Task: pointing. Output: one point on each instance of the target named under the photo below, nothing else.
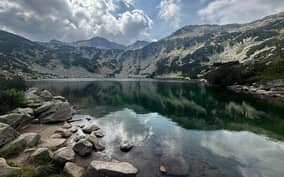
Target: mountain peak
(99, 42)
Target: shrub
(10, 99)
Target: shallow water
(191, 129)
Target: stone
(56, 136)
(63, 155)
(57, 111)
(111, 169)
(175, 166)
(95, 142)
(32, 139)
(125, 146)
(89, 129)
(78, 137)
(73, 170)
(63, 132)
(61, 98)
(6, 170)
(99, 134)
(163, 169)
(7, 134)
(83, 147)
(66, 125)
(14, 147)
(46, 106)
(41, 155)
(18, 118)
(55, 143)
(73, 129)
(45, 95)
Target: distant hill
(99, 42)
(137, 45)
(246, 53)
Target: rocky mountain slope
(254, 51)
(137, 45)
(98, 42)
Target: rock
(89, 129)
(163, 169)
(55, 143)
(18, 118)
(57, 111)
(96, 145)
(111, 169)
(81, 126)
(125, 146)
(175, 166)
(6, 170)
(99, 134)
(45, 95)
(63, 155)
(66, 125)
(73, 129)
(73, 170)
(56, 136)
(14, 147)
(79, 137)
(60, 98)
(63, 132)
(32, 99)
(83, 147)
(46, 106)
(41, 155)
(32, 139)
(7, 134)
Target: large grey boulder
(32, 139)
(14, 147)
(63, 155)
(7, 134)
(90, 128)
(6, 170)
(73, 170)
(18, 118)
(57, 111)
(111, 169)
(83, 147)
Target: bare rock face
(6, 170)
(7, 134)
(73, 170)
(111, 169)
(63, 155)
(83, 147)
(18, 117)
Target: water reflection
(192, 106)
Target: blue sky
(123, 21)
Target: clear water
(191, 129)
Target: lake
(191, 129)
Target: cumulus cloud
(170, 11)
(239, 11)
(71, 20)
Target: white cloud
(170, 11)
(239, 11)
(71, 20)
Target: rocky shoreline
(59, 139)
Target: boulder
(45, 107)
(58, 112)
(14, 147)
(41, 155)
(6, 170)
(83, 147)
(73, 170)
(90, 128)
(55, 143)
(18, 118)
(111, 169)
(63, 155)
(78, 137)
(95, 142)
(45, 95)
(73, 129)
(7, 134)
(99, 134)
(32, 139)
(125, 146)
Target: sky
(123, 21)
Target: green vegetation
(11, 94)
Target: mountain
(137, 45)
(223, 54)
(99, 42)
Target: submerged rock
(111, 169)
(6, 170)
(125, 146)
(63, 155)
(73, 170)
(7, 134)
(83, 147)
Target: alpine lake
(186, 127)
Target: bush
(10, 99)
